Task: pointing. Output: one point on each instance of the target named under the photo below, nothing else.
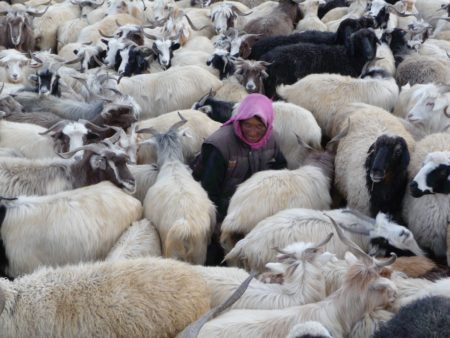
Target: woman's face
(253, 129)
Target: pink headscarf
(254, 105)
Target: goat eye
(430, 104)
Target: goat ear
(440, 103)
(98, 162)
(185, 133)
(276, 267)
(104, 41)
(175, 45)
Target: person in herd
(244, 145)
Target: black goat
(293, 62)
(386, 174)
(216, 110)
(398, 44)
(134, 60)
(324, 9)
(47, 83)
(223, 62)
(426, 317)
(346, 28)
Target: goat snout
(377, 175)
(250, 86)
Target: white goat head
(434, 176)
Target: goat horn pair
(95, 148)
(35, 13)
(179, 123)
(192, 330)
(239, 12)
(93, 126)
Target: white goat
(67, 227)
(310, 20)
(16, 66)
(177, 204)
(176, 88)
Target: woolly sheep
(151, 297)
(310, 20)
(367, 124)
(270, 191)
(422, 69)
(324, 94)
(428, 216)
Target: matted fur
(144, 297)
(67, 227)
(267, 192)
(175, 88)
(325, 94)
(141, 239)
(428, 217)
(367, 123)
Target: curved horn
(3, 86)
(360, 230)
(303, 144)
(56, 127)
(74, 2)
(77, 59)
(115, 91)
(94, 147)
(117, 23)
(446, 112)
(387, 262)
(143, 3)
(192, 24)
(202, 100)
(325, 241)
(104, 35)
(93, 126)
(360, 215)
(179, 123)
(150, 130)
(349, 242)
(38, 14)
(238, 11)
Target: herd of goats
(105, 103)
